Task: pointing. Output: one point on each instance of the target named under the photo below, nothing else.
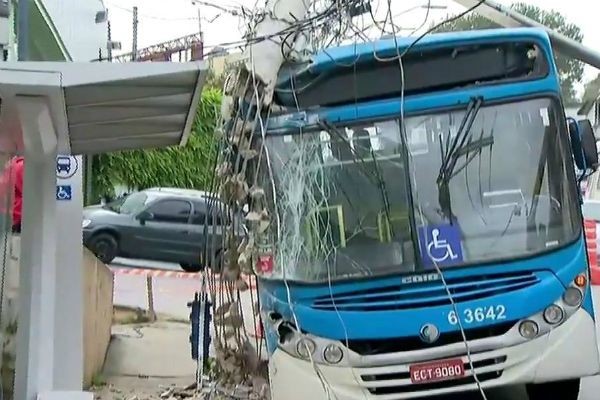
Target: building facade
(4, 29)
(59, 30)
(220, 62)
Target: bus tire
(563, 390)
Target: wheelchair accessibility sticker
(440, 244)
(63, 192)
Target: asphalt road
(172, 294)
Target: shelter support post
(68, 324)
(39, 370)
(35, 332)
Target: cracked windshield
(476, 195)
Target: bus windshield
(369, 200)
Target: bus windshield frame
(349, 208)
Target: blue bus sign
(66, 166)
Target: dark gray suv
(160, 224)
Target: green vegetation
(190, 166)
(570, 70)
(98, 381)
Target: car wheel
(105, 247)
(188, 267)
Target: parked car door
(206, 231)
(165, 234)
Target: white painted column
(35, 334)
(68, 339)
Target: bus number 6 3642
(478, 314)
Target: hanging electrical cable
(285, 32)
(398, 58)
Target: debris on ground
(137, 388)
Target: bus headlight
(333, 354)
(573, 297)
(553, 314)
(305, 348)
(85, 223)
(529, 329)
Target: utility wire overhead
(222, 10)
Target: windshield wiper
(461, 145)
(455, 150)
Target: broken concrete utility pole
(247, 97)
(264, 56)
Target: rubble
(211, 391)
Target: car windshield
(132, 204)
(346, 203)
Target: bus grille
(390, 382)
(431, 294)
(370, 347)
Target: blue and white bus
(427, 233)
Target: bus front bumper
(568, 351)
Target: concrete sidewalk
(160, 350)
(144, 361)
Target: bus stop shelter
(55, 109)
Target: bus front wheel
(563, 390)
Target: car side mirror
(144, 216)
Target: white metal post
(68, 328)
(35, 334)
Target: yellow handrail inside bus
(384, 223)
(312, 226)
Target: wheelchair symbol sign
(63, 192)
(440, 244)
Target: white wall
(75, 22)
(572, 112)
(4, 23)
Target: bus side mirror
(588, 144)
(583, 144)
(576, 148)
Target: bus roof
(364, 52)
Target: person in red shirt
(11, 184)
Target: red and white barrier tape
(591, 239)
(161, 273)
(158, 273)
